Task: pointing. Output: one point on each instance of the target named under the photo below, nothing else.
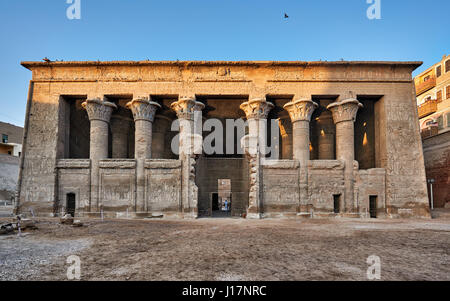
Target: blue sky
(212, 30)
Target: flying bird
(286, 16)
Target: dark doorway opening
(215, 202)
(337, 201)
(373, 206)
(71, 204)
(220, 207)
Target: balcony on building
(428, 83)
(427, 108)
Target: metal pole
(431, 192)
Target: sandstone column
(300, 111)
(99, 113)
(190, 146)
(120, 127)
(256, 111)
(143, 113)
(286, 137)
(344, 115)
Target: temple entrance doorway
(221, 205)
(71, 204)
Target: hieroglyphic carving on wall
(325, 179)
(117, 188)
(73, 163)
(36, 192)
(281, 185)
(117, 163)
(163, 189)
(219, 73)
(74, 180)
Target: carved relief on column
(344, 110)
(256, 108)
(300, 109)
(189, 148)
(300, 112)
(99, 112)
(98, 109)
(254, 183)
(344, 114)
(143, 108)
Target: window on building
(426, 78)
(439, 96)
(4, 138)
(447, 94)
(438, 71)
(428, 98)
(440, 122)
(448, 119)
(447, 66)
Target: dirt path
(231, 249)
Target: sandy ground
(230, 249)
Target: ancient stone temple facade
(128, 139)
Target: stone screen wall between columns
(325, 179)
(281, 187)
(163, 186)
(74, 177)
(371, 182)
(117, 185)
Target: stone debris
(6, 228)
(77, 223)
(66, 219)
(27, 224)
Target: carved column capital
(143, 108)
(300, 109)
(344, 110)
(186, 106)
(256, 108)
(98, 109)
